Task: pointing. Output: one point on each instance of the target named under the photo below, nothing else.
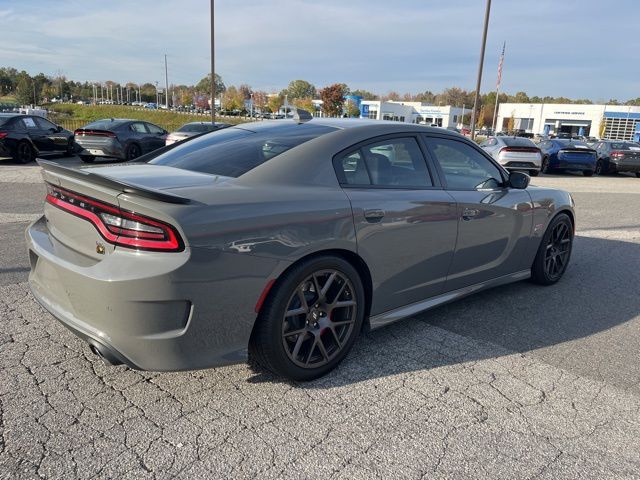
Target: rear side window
(232, 152)
(138, 128)
(195, 127)
(29, 123)
(391, 163)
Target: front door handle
(373, 215)
(469, 213)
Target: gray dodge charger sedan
(283, 240)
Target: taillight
(520, 149)
(94, 133)
(3, 134)
(117, 226)
(617, 153)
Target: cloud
(553, 48)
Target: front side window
(391, 163)
(154, 129)
(463, 166)
(45, 124)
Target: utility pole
(495, 110)
(213, 65)
(166, 83)
(484, 43)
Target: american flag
(500, 66)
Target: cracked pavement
(519, 382)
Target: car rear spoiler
(106, 181)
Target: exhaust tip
(104, 353)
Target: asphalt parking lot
(517, 382)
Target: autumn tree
(275, 102)
(232, 99)
(333, 99)
(244, 91)
(393, 96)
(260, 100)
(481, 117)
(305, 104)
(511, 123)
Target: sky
(577, 49)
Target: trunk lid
(141, 190)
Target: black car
(25, 137)
(118, 138)
(617, 156)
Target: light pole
(166, 83)
(213, 65)
(484, 43)
(251, 95)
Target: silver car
(514, 153)
(193, 128)
(283, 240)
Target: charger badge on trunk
(100, 248)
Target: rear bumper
(100, 149)
(624, 166)
(5, 152)
(151, 311)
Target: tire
(554, 251)
(87, 158)
(132, 152)
(534, 173)
(308, 344)
(545, 166)
(24, 153)
(587, 173)
(600, 168)
(69, 152)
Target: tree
(260, 100)
(300, 89)
(305, 104)
(333, 99)
(392, 96)
(351, 109)
(232, 99)
(24, 89)
(366, 95)
(275, 102)
(425, 97)
(204, 85)
(481, 117)
(511, 123)
(521, 97)
(245, 91)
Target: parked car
(284, 238)
(118, 138)
(617, 156)
(25, 137)
(560, 154)
(193, 128)
(515, 153)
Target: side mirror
(59, 128)
(519, 180)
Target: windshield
(572, 143)
(625, 146)
(232, 152)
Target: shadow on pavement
(597, 294)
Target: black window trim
(503, 172)
(338, 157)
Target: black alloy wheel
(24, 153)
(319, 318)
(133, 151)
(600, 168)
(554, 252)
(310, 319)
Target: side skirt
(391, 316)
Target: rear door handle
(373, 215)
(469, 213)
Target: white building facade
(411, 112)
(615, 122)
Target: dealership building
(411, 112)
(620, 122)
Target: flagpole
(495, 110)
